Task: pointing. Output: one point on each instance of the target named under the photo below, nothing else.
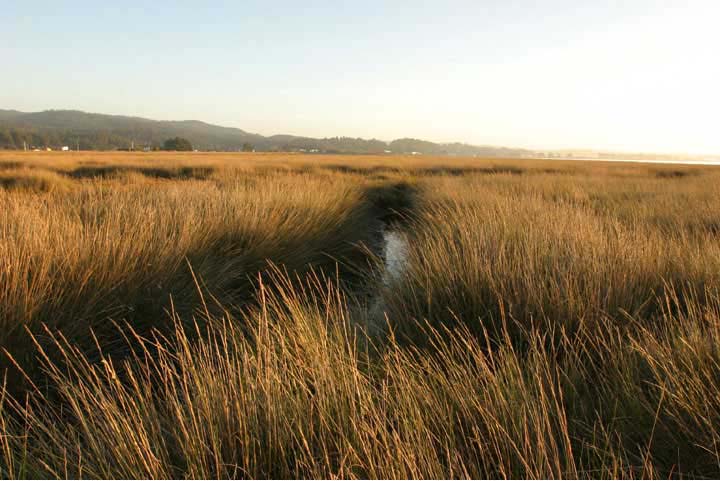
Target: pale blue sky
(625, 75)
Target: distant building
(49, 149)
(65, 148)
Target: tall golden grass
(206, 316)
(555, 247)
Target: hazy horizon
(635, 76)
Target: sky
(634, 75)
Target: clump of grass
(652, 388)
(32, 180)
(108, 249)
(480, 251)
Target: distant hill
(108, 132)
(56, 128)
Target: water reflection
(394, 254)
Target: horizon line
(497, 146)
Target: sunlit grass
(206, 316)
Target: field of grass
(229, 315)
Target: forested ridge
(88, 131)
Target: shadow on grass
(224, 273)
(11, 165)
(676, 174)
(110, 171)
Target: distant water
(640, 161)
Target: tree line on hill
(57, 128)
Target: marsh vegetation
(210, 315)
